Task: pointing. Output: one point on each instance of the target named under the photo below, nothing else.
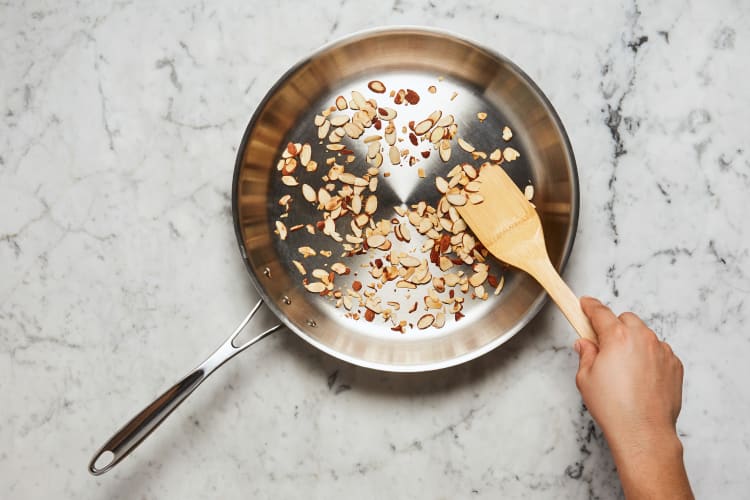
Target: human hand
(632, 386)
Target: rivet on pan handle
(145, 422)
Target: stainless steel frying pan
(412, 58)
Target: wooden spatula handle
(547, 276)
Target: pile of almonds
(449, 259)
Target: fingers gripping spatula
(509, 227)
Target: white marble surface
(119, 124)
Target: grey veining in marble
(119, 123)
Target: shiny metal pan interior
(415, 59)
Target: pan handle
(144, 423)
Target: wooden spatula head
(508, 226)
(505, 222)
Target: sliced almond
(507, 133)
(439, 320)
(472, 187)
(315, 287)
(338, 120)
(319, 119)
(376, 86)
(288, 180)
(334, 147)
(387, 114)
(528, 192)
(306, 251)
(281, 228)
(375, 240)
(445, 150)
(339, 268)
(500, 285)
(465, 145)
(478, 278)
(496, 155)
(341, 103)
(476, 198)
(371, 205)
(510, 154)
(445, 121)
(394, 155)
(409, 261)
(441, 184)
(456, 199)
(425, 321)
(353, 130)
(469, 170)
(323, 129)
(481, 116)
(437, 134)
(309, 193)
(422, 127)
(359, 100)
(300, 267)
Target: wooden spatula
(509, 227)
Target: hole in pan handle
(144, 423)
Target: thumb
(587, 351)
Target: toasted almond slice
(320, 274)
(376, 86)
(356, 204)
(476, 198)
(425, 321)
(481, 116)
(465, 145)
(422, 127)
(437, 134)
(409, 261)
(339, 268)
(405, 232)
(289, 180)
(377, 162)
(319, 119)
(375, 240)
(334, 147)
(507, 133)
(387, 114)
(445, 150)
(311, 166)
(285, 199)
(496, 155)
(373, 185)
(281, 228)
(299, 267)
(305, 154)
(441, 184)
(445, 121)
(315, 287)
(358, 99)
(500, 285)
(510, 154)
(478, 278)
(456, 199)
(309, 193)
(394, 155)
(323, 129)
(306, 251)
(372, 149)
(341, 103)
(472, 186)
(371, 205)
(528, 192)
(353, 130)
(469, 170)
(405, 284)
(347, 178)
(338, 120)
(439, 320)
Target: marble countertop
(119, 123)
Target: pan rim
(535, 307)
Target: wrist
(652, 467)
